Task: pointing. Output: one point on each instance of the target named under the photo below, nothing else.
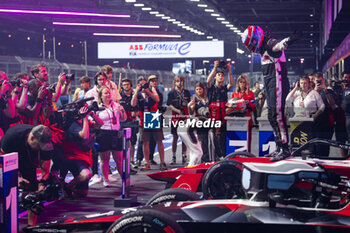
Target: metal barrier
(15, 64)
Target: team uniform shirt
(146, 104)
(304, 107)
(107, 116)
(74, 147)
(179, 100)
(126, 103)
(217, 102)
(251, 100)
(43, 117)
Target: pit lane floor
(101, 199)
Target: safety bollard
(125, 200)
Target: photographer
(40, 73)
(147, 101)
(19, 98)
(33, 145)
(346, 100)
(324, 126)
(200, 106)
(131, 112)
(337, 89)
(178, 99)
(217, 95)
(7, 106)
(77, 150)
(39, 105)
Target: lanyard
(302, 96)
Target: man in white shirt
(108, 70)
(100, 80)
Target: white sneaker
(96, 179)
(106, 183)
(112, 179)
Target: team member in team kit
(217, 95)
(274, 69)
(178, 100)
(146, 99)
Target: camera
(144, 86)
(70, 76)
(50, 88)
(33, 201)
(16, 82)
(222, 66)
(318, 82)
(71, 112)
(204, 112)
(3, 102)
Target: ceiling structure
(189, 19)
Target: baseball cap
(44, 135)
(139, 79)
(151, 77)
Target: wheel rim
(226, 184)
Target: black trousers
(277, 88)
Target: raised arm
(212, 73)
(230, 85)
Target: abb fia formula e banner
(179, 49)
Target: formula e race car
(222, 180)
(179, 210)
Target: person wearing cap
(33, 145)
(146, 98)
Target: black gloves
(294, 37)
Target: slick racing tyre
(175, 194)
(223, 181)
(240, 154)
(150, 221)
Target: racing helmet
(252, 38)
(236, 107)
